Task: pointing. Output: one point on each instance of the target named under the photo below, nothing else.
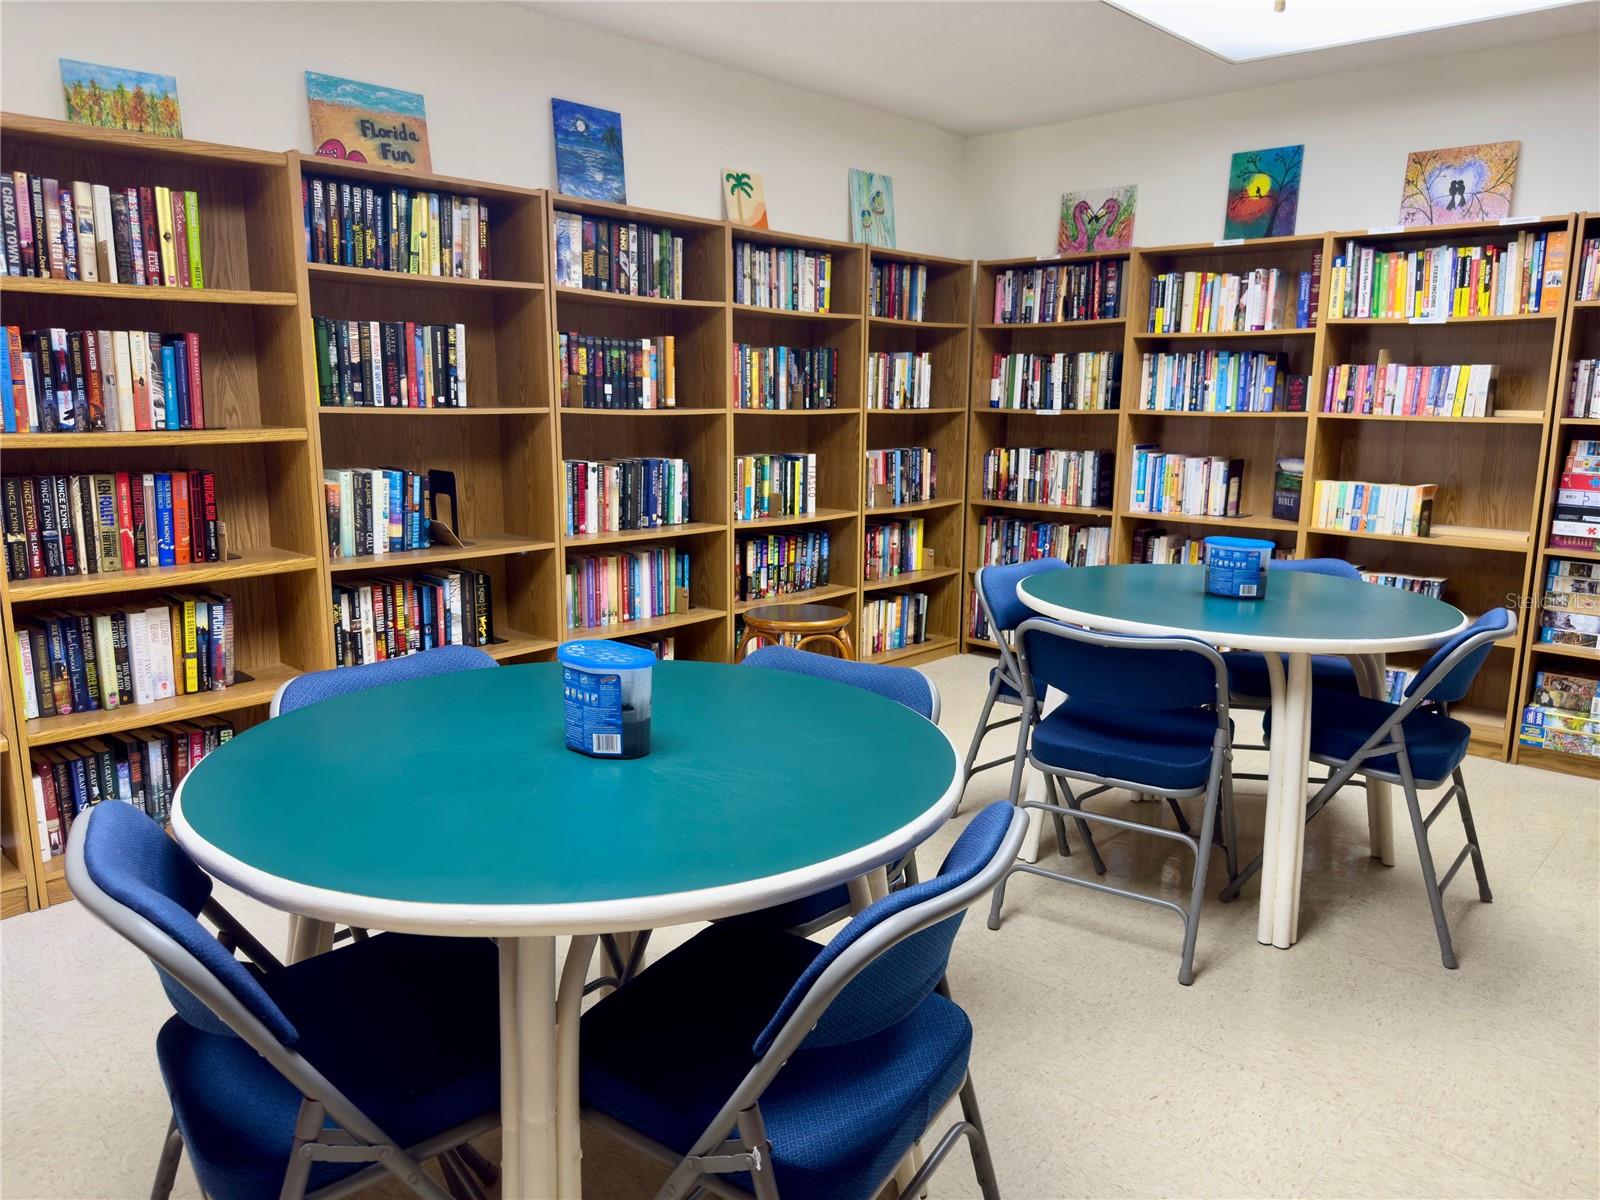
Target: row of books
(1569, 606)
(1220, 381)
(613, 495)
(632, 258)
(774, 485)
(780, 378)
(145, 236)
(390, 228)
(382, 510)
(112, 521)
(898, 290)
(1004, 540)
(1194, 485)
(901, 475)
(1423, 585)
(896, 548)
(893, 621)
(1062, 292)
(1043, 475)
(1440, 282)
(779, 564)
(790, 278)
(1588, 270)
(1583, 392)
(389, 617)
(899, 380)
(142, 767)
(1089, 379)
(1564, 715)
(390, 364)
(629, 585)
(1222, 302)
(93, 380)
(610, 372)
(1153, 544)
(1395, 509)
(1408, 390)
(90, 660)
(1575, 517)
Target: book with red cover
(182, 544)
(197, 408)
(151, 235)
(125, 548)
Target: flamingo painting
(1097, 220)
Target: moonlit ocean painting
(588, 152)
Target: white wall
(487, 72)
(1357, 129)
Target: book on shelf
(390, 617)
(1575, 511)
(387, 227)
(1423, 585)
(663, 645)
(1288, 483)
(1356, 506)
(382, 510)
(901, 475)
(142, 767)
(1559, 730)
(58, 525)
(390, 364)
(1569, 606)
(896, 547)
(771, 565)
(100, 380)
(1583, 388)
(1004, 540)
(1218, 381)
(629, 258)
(893, 621)
(96, 233)
(1155, 545)
(774, 485)
(899, 379)
(1567, 691)
(789, 278)
(1262, 299)
(1045, 475)
(1059, 293)
(1405, 390)
(898, 290)
(1090, 379)
(1188, 484)
(782, 378)
(1588, 270)
(1524, 274)
(100, 658)
(624, 494)
(613, 372)
(629, 585)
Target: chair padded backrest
(893, 984)
(317, 686)
(132, 861)
(900, 684)
(999, 588)
(1459, 678)
(1337, 567)
(1124, 675)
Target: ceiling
(984, 67)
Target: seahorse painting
(1098, 219)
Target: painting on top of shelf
(744, 195)
(588, 152)
(118, 98)
(1459, 183)
(367, 122)
(871, 208)
(1097, 219)
(1263, 192)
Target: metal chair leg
(1202, 855)
(997, 901)
(1230, 826)
(1075, 804)
(458, 1181)
(982, 1163)
(167, 1165)
(485, 1170)
(1177, 812)
(1430, 878)
(1484, 893)
(1024, 731)
(977, 734)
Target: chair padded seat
(1340, 723)
(1247, 673)
(663, 1054)
(407, 1027)
(1008, 692)
(1168, 749)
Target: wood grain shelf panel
(784, 314)
(795, 412)
(816, 595)
(1230, 335)
(933, 647)
(13, 889)
(1488, 319)
(910, 578)
(1095, 323)
(624, 299)
(1246, 416)
(816, 518)
(583, 541)
(514, 643)
(249, 564)
(1510, 416)
(257, 690)
(1582, 653)
(931, 411)
(915, 506)
(481, 546)
(329, 273)
(132, 440)
(1555, 760)
(1467, 537)
(1045, 510)
(1265, 524)
(907, 323)
(72, 288)
(694, 615)
(682, 410)
(486, 410)
(1047, 413)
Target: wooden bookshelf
(1579, 339)
(18, 863)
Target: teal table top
(1300, 612)
(451, 800)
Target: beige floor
(1350, 1066)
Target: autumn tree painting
(117, 98)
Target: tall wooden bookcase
(1580, 339)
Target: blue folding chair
(1147, 714)
(315, 1079)
(1416, 744)
(813, 1077)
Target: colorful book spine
(75, 230)
(614, 372)
(780, 564)
(1265, 298)
(901, 475)
(631, 258)
(766, 486)
(392, 228)
(1217, 381)
(630, 585)
(1522, 275)
(1048, 476)
(390, 617)
(896, 548)
(898, 291)
(790, 278)
(1061, 292)
(1087, 380)
(780, 378)
(899, 379)
(1191, 485)
(624, 494)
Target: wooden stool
(803, 622)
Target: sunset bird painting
(1263, 192)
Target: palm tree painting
(745, 198)
(117, 98)
(588, 152)
(1263, 192)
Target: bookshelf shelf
(694, 615)
(479, 546)
(514, 643)
(1045, 414)
(1264, 524)
(912, 507)
(936, 646)
(1232, 335)
(583, 541)
(625, 300)
(1499, 319)
(907, 323)
(910, 578)
(62, 289)
(816, 595)
(245, 436)
(502, 410)
(249, 564)
(257, 691)
(1161, 413)
(366, 276)
(13, 889)
(1530, 418)
(1096, 323)
(1043, 510)
(784, 314)
(931, 411)
(1581, 653)
(682, 410)
(814, 518)
(1508, 541)
(796, 412)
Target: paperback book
(100, 380)
(147, 236)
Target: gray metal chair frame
(715, 1155)
(1218, 789)
(354, 1137)
(1007, 672)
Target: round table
(1302, 614)
(451, 806)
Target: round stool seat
(805, 623)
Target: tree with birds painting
(1263, 192)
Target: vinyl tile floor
(1353, 1065)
